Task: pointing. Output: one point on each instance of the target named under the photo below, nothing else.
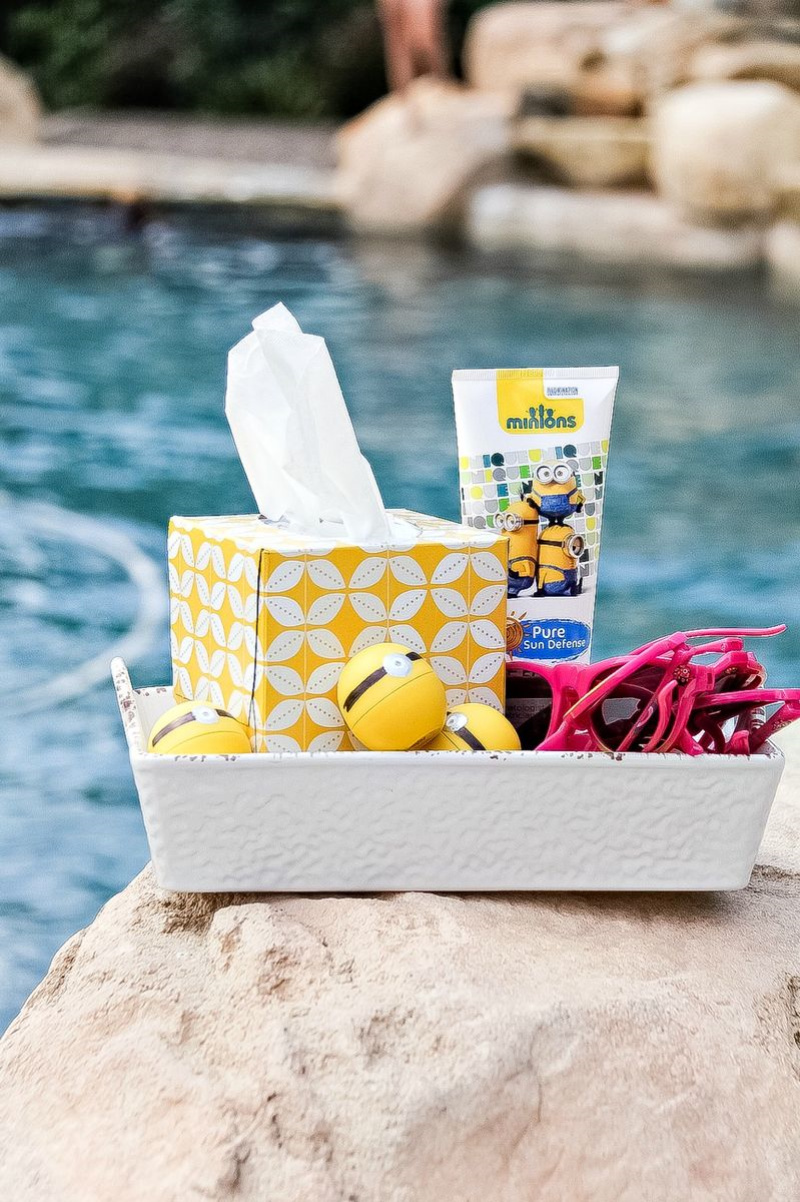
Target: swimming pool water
(112, 363)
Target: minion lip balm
(475, 727)
(391, 698)
(533, 452)
(197, 728)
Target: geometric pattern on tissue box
(262, 620)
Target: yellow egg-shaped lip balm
(474, 727)
(391, 698)
(198, 728)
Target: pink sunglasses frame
(577, 692)
(752, 701)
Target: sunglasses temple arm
(717, 632)
(747, 632)
(740, 742)
(683, 713)
(689, 745)
(777, 722)
(680, 715)
(665, 711)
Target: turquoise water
(112, 360)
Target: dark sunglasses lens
(721, 715)
(617, 713)
(529, 707)
(737, 680)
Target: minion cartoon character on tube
(560, 549)
(555, 492)
(533, 442)
(521, 523)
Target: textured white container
(444, 821)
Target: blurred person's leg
(414, 39)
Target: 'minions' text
(542, 417)
(525, 402)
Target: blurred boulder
(719, 148)
(20, 108)
(624, 228)
(409, 161)
(778, 61)
(586, 152)
(610, 58)
(514, 47)
(653, 47)
(607, 90)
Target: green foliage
(291, 58)
(69, 45)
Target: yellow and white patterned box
(263, 620)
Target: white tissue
(294, 435)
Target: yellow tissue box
(262, 620)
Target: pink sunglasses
(746, 708)
(642, 701)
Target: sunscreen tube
(532, 454)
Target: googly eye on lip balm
(206, 715)
(391, 698)
(195, 728)
(398, 665)
(475, 727)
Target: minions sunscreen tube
(533, 449)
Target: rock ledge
(418, 1048)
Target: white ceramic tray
(444, 821)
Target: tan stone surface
(409, 161)
(90, 172)
(626, 228)
(195, 135)
(719, 148)
(610, 58)
(778, 61)
(418, 1048)
(606, 90)
(789, 193)
(656, 45)
(509, 47)
(587, 152)
(20, 108)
